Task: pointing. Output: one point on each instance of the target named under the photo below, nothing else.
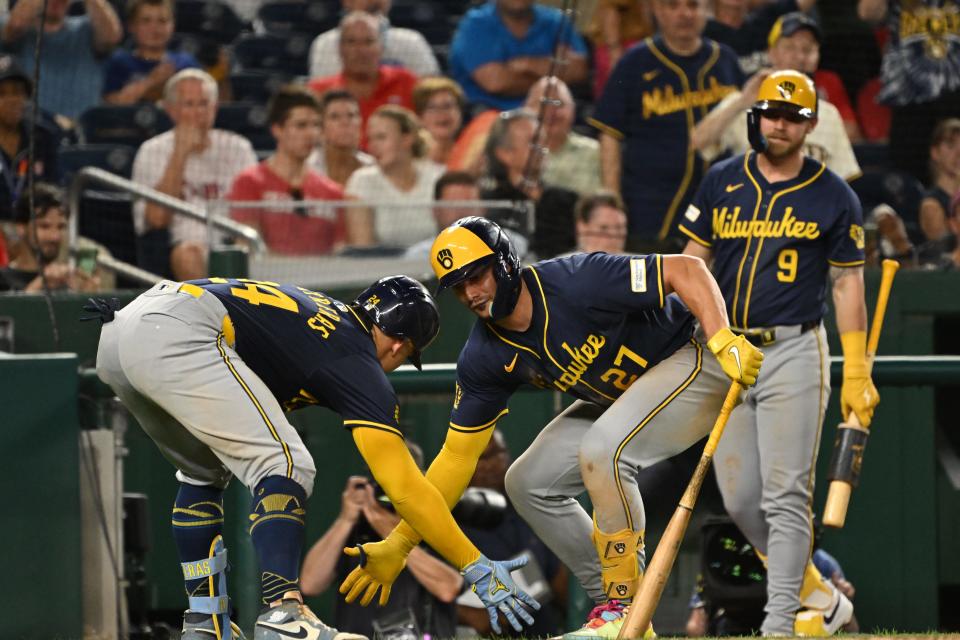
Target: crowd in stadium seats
(177, 95)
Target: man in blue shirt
(501, 48)
(72, 47)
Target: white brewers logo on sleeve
(638, 275)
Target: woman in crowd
(402, 176)
(439, 103)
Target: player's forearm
(689, 277)
(610, 162)
(319, 567)
(848, 299)
(171, 183)
(442, 581)
(24, 16)
(451, 471)
(106, 26)
(415, 499)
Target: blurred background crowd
(326, 128)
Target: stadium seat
(115, 158)
(127, 125)
(297, 16)
(900, 190)
(255, 86)
(210, 19)
(249, 120)
(272, 53)
(429, 18)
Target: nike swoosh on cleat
(301, 632)
(828, 619)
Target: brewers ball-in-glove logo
(786, 89)
(445, 258)
(620, 547)
(621, 590)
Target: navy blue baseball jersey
(651, 102)
(599, 321)
(774, 243)
(308, 349)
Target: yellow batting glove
(380, 564)
(740, 359)
(857, 395)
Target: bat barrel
(838, 498)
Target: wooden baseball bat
(655, 578)
(851, 436)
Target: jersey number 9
(787, 261)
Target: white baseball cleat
(293, 619)
(820, 623)
(200, 626)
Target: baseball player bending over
(208, 368)
(620, 334)
(775, 222)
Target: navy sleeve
(697, 220)
(357, 388)
(610, 115)
(481, 394)
(846, 239)
(117, 72)
(618, 283)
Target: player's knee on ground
(277, 517)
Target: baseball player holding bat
(618, 333)
(776, 224)
(208, 369)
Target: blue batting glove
(492, 582)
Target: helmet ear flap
(757, 140)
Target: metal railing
(93, 175)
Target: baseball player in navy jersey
(775, 224)
(619, 334)
(208, 369)
(655, 95)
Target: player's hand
(858, 395)
(380, 564)
(738, 357)
(492, 582)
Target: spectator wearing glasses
(439, 102)
(372, 83)
(601, 223)
(339, 155)
(401, 47)
(285, 176)
(573, 161)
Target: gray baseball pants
(167, 358)
(664, 412)
(765, 465)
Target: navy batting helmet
(402, 308)
(471, 244)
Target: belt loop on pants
(765, 336)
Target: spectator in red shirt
(294, 116)
(372, 83)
